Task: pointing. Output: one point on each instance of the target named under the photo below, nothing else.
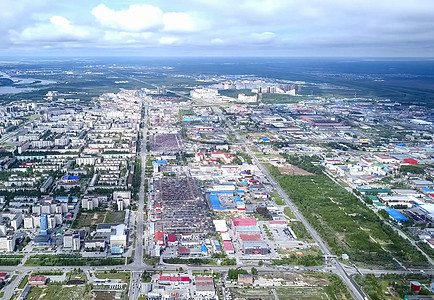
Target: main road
(134, 291)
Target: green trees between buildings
(378, 288)
(306, 163)
(233, 273)
(413, 169)
(71, 260)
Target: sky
(318, 28)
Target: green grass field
(55, 292)
(23, 282)
(91, 219)
(124, 276)
(346, 224)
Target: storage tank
(415, 286)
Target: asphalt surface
(134, 291)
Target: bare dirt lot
(288, 169)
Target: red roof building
(180, 279)
(382, 158)
(229, 248)
(277, 223)
(3, 276)
(367, 161)
(159, 238)
(245, 237)
(164, 280)
(37, 280)
(410, 161)
(172, 239)
(202, 280)
(173, 279)
(244, 222)
(183, 250)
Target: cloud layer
(221, 27)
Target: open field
(300, 231)
(91, 219)
(55, 292)
(288, 169)
(114, 217)
(105, 295)
(281, 98)
(311, 286)
(346, 224)
(392, 286)
(124, 276)
(283, 293)
(234, 93)
(88, 219)
(76, 275)
(305, 257)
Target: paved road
(10, 289)
(173, 267)
(134, 291)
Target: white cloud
(58, 30)
(223, 24)
(166, 40)
(174, 21)
(115, 37)
(263, 37)
(61, 22)
(217, 41)
(137, 18)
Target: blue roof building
(117, 249)
(43, 223)
(396, 215)
(215, 202)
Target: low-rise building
(37, 280)
(245, 279)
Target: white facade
(28, 222)
(81, 161)
(7, 243)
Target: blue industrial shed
(396, 215)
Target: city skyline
(217, 28)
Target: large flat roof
(396, 215)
